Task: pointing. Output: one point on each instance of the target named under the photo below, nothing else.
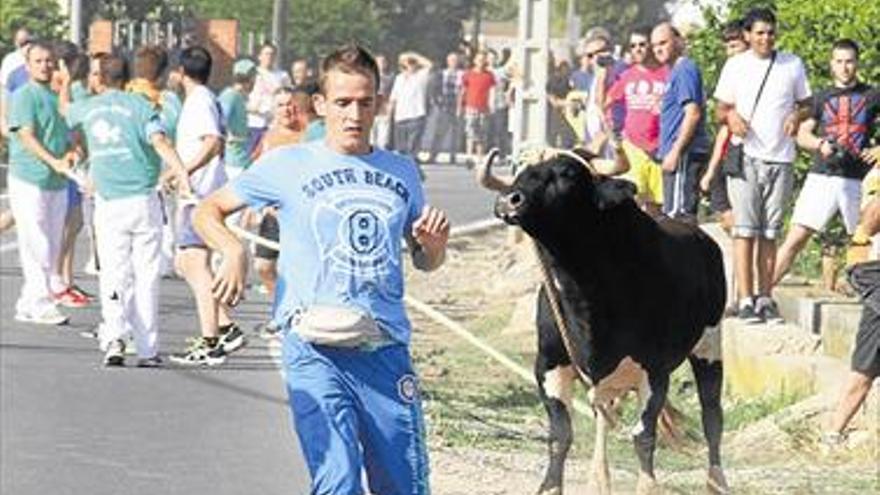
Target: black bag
(732, 165)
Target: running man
(352, 389)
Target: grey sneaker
(200, 353)
(231, 338)
(748, 315)
(769, 311)
(150, 362)
(115, 355)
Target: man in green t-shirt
(126, 143)
(234, 105)
(39, 164)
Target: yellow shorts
(645, 173)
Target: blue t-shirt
(581, 80)
(342, 220)
(685, 86)
(315, 131)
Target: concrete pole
(76, 22)
(532, 54)
(279, 30)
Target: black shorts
(268, 230)
(719, 201)
(865, 279)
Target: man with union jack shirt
(839, 133)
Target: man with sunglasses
(606, 69)
(640, 89)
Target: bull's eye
(515, 199)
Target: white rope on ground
(442, 320)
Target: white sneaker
(50, 316)
(115, 355)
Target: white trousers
(39, 223)
(129, 233)
(169, 206)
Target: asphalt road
(68, 425)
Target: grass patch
(741, 413)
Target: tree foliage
(42, 17)
(618, 17)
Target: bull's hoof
(716, 482)
(647, 485)
(556, 490)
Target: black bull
(636, 295)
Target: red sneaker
(77, 290)
(70, 298)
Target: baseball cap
(243, 67)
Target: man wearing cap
(234, 106)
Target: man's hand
(790, 126)
(737, 125)
(431, 229)
(825, 149)
(706, 181)
(173, 179)
(670, 161)
(871, 156)
(229, 281)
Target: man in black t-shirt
(839, 132)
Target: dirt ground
(487, 429)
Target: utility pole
(478, 25)
(532, 51)
(279, 29)
(76, 21)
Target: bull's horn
(586, 163)
(490, 181)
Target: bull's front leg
(653, 396)
(555, 389)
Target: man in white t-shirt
(199, 143)
(761, 192)
(408, 102)
(13, 73)
(261, 99)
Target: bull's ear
(612, 192)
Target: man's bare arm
(32, 144)
(211, 147)
(208, 221)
